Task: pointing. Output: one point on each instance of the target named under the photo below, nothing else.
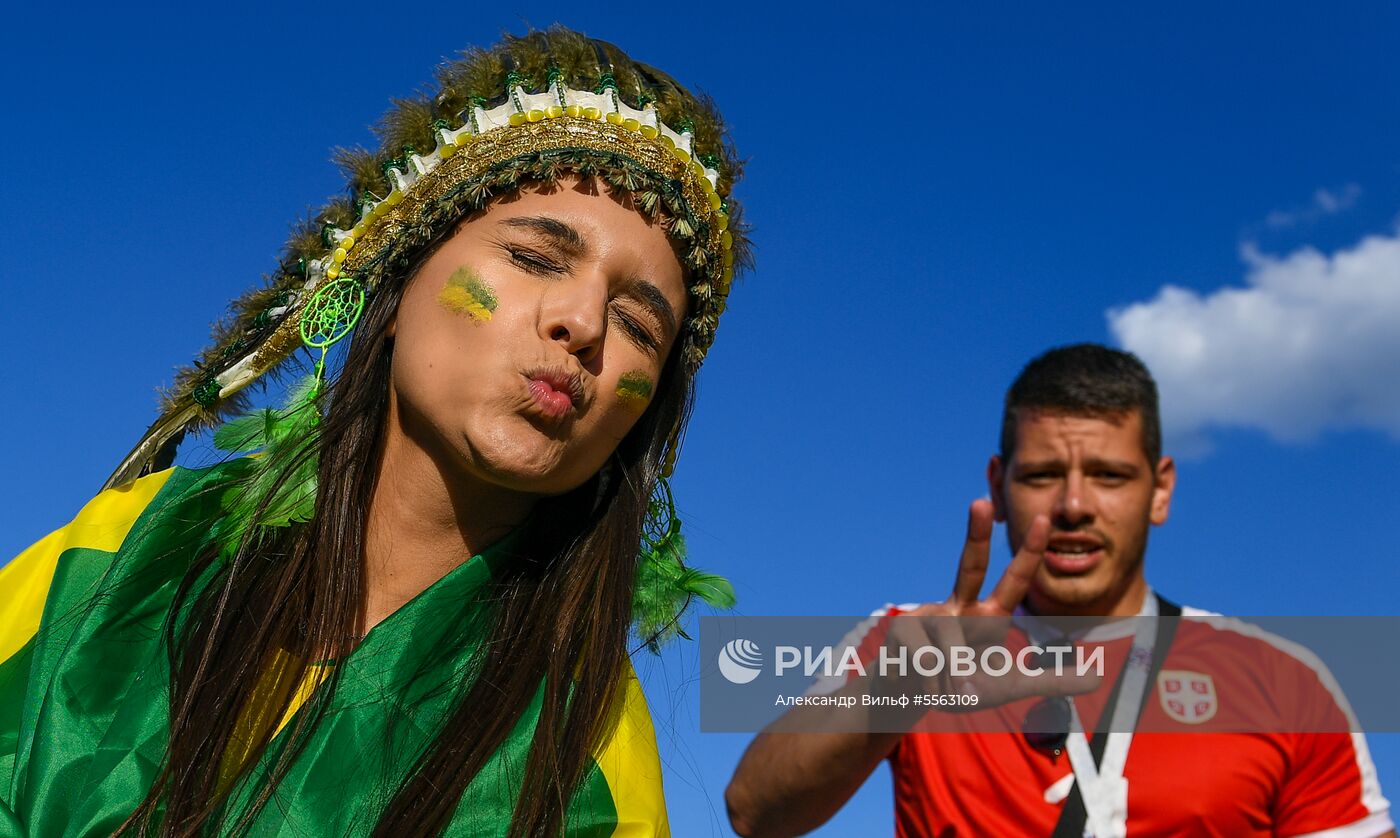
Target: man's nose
(1074, 507)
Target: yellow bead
(722, 221)
(614, 117)
(447, 150)
(347, 242)
(681, 154)
(394, 198)
(359, 230)
(553, 112)
(727, 239)
(667, 141)
(631, 124)
(517, 119)
(462, 139)
(575, 111)
(698, 170)
(728, 275)
(379, 209)
(592, 113)
(332, 272)
(338, 256)
(649, 132)
(728, 258)
(534, 115)
(715, 200)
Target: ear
(996, 487)
(1162, 490)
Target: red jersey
(1184, 777)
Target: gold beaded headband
(423, 184)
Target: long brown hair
(278, 605)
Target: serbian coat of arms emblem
(1188, 697)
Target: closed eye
(532, 262)
(636, 331)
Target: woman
(409, 613)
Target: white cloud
(1324, 202)
(1310, 342)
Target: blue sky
(939, 193)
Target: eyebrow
(565, 237)
(1089, 462)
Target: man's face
(1090, 476)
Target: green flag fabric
(84, 680)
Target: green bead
(207, 393)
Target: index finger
(972, 566)
(1014, 583)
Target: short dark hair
(1086, 379)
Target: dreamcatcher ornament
(329, 316)
(288, 438)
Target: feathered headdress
(530, 109)
(527, 110)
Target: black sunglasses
(1046, 726)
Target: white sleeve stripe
(1371, 796)
(825, 684)
(1374, 824)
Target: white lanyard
(1103, 787)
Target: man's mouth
(1072, 555)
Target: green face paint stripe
(634, 385)
(482, 293)
(466, 293)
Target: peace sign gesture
(976, 556)
(966, 620)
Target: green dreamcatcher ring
(330, 315)
(661, 522)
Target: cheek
(634, 391)
(447, 346)
(1128, 508)
(1026, 502)
(468, 295)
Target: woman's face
(532, 340)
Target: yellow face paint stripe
(102, 524)
(466, 293)
(631, 765)
(634, 390)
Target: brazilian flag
(84, 679)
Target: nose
(574, 314)
(1074, 507)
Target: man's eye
(533, 262)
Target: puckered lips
(1071, 554)
(556, 391)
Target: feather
(665, 587)
(408, 124)
(278, 488)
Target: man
(1079, 480)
